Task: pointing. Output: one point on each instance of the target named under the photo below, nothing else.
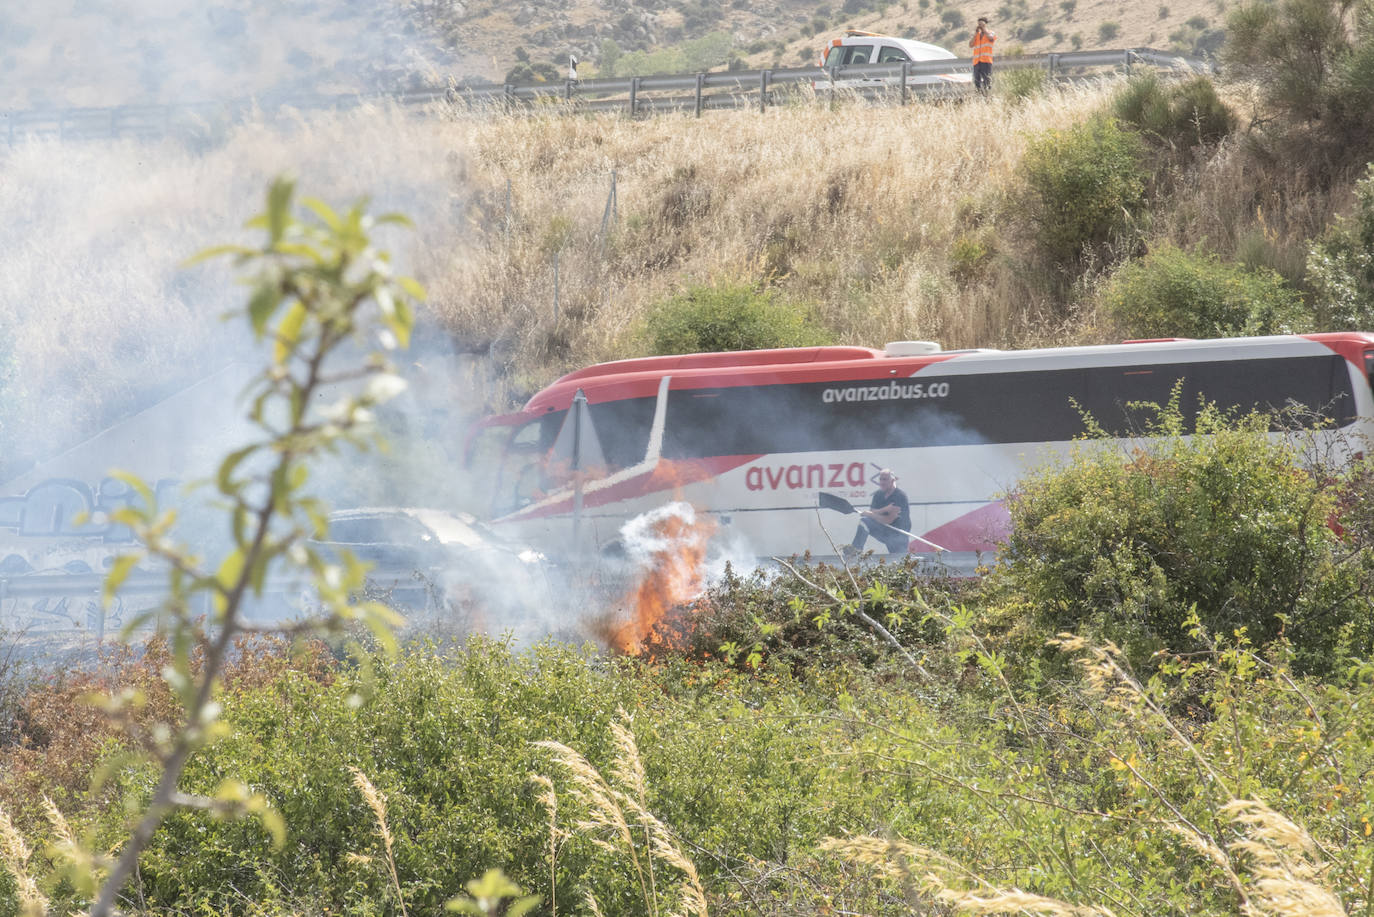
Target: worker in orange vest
(981, 43)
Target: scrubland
(1156, 701)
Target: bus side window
(1369, 367)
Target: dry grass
(853, 211)
(100, 318)
(614, 816)
(1274, 864)
(377, 803)
(14, 854)
(886, 222)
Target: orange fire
(673, 578)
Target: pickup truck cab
(857, 47)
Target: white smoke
(649, 538)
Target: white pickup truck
(858, 47)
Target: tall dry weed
(15, 854)
(613, 815)
(377, 803)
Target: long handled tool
(840, 504)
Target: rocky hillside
(98, 52)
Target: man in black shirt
(888, 511)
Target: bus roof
(638, 378)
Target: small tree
(610, 57)
(318, 287)
(1084, 186)
(1314, 63)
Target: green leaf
(288, 332)
(403, 322)
(273, 823)
(299, 474)
(216, 251)
(382, 621)
(322, 210)
(279, 208)
(413, 288)
(136, 483)
(265, 300)
(227, 576)
(119, 571)
(301, 250)
(396, 219)
(257, 573)
(224, 477)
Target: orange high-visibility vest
(982, 47)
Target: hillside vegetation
(1156, 701)
(1021, 219)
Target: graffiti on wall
(68, 507)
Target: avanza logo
(805, 477)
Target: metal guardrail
(731, 89)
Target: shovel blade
(831, 501)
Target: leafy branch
(319, 287)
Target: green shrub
(1085, 184)
(1310, 62)
(1021, 83)
(952, 19)
(1108, 31)
(1174, 293)
(1125, 546)
(1179, 115)
(1340, 265)
(449, 741)
(968, 256)
(610, 56)
(780, 622)
(729, 317)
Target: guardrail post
(567, 90)
(1053, 62)
(763, 89)
(906, 93)
(634, 96)
(1127, 55)
(701, 81)
(508, 96)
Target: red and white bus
(752, 438)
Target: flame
(677, 539)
